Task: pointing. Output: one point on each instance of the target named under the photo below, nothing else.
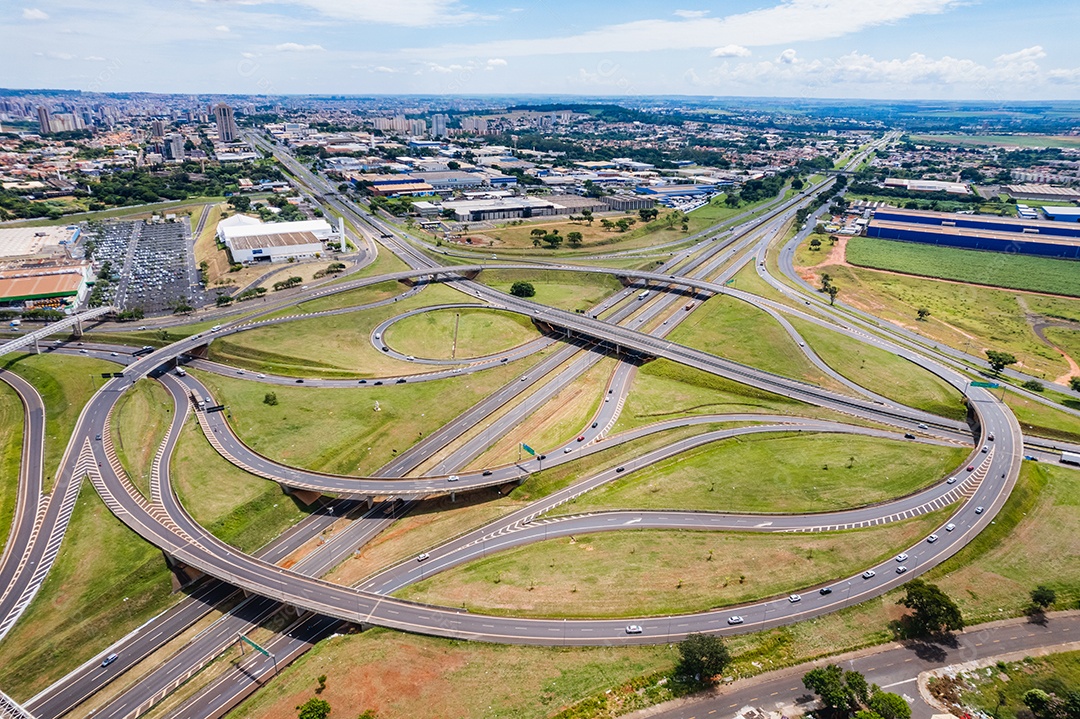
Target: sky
(883, 49)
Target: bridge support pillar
(453, 496)
(370, 501)
(78, 327)
(182, 575)
(37, 347)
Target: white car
(422, 557)
(901, 569)
(931, 539)
(453, 478)
(633, 629)
(795, 598)
(735, 620)
(950, 527)
(901, 557)
(868, 574)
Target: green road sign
(529, 449)
(988, 385)
(254, 646)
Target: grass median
(139, 424)
(783, 472)
(460, 333)
(647, 572)
(65, 383)
(345, 430)
(12, 425)
(571, 291)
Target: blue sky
(892, 49)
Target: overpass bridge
(76, 321)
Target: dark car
(594, 424)
(909, 435)
(363, 381)
(825, 590)
(109, 660)
(486, 473)
(378, 382)
(620, 469)
(299, 381)
(401, 381)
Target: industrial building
(1062, 214)
(628, 203)
(250, 240)
(953, 188)
(1044, 193)
(48, 286)
(977, 232)
(502, 208)
(37, 242)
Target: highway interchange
(578, 339)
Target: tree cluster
(846, 694)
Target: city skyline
(917, 49)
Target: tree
(834, 687)
(797, 184)
(1043, 596)
(648, 214)
(815, 244)
(574, 239)
(934, 612)
(832, 291)
(1033, 385)
(587, 215)
(522, 289)
(270, 398)
(1074, 384)
(703, 656)
(553, 240)
(1039, 702)
(999, 360)
(889, 706)
(923, 313)
(314, 708)
(606, 223)
(536, 241)
(538, 232)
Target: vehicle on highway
(486, 473)
(215, 328)
(978, 510)
(568, 450)
(971, 468)
(98, 438)
(923, 426)
(261, 376)
(901, 557)
(901, 569)
(869, 573)
(986, 448)
(83, 351)
(239, 371)
(643, 295)
(1031, 458)
(581, 438)
(633, 629)
(411, 358)
(385, 349)
(990, 436)
(825, 590)
(402, 381)
(620, 469)
(299, 381)
(422, 557)
(109, 659)
(181, 372)
(378, 335)
(453, 478)
(735, 620)
(526, 377)
(908, 435)
(950, 527)
(950, 480)
(795, 598)
(112, 354)
(931, 539)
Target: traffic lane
(892, 667)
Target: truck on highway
(643, 295)
(15, 323)
(1070, 458)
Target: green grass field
(967, 317)
(565, 290)
(460, 333)
(65, 383)
(330, 346)
(778, 473)
(1066, 340)
(1036, 141)
(106, 581)
(139, 424)
(239, 508)
(997, 269)
(338, 430)
(883, 372)
(11, 438)
(650, 572)
(737, 330)
(351, 298)
(1042, 421)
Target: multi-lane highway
(162, 521)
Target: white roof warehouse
(274, 241)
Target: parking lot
(152, 266)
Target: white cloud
(222, 28)
(384, 69)
(915, 71)
(248, 55)
(690, 14)
(297, 47)
(409, 13)
(94, 58)
(730, 51)
(55, 55)
(32, 13)
(786, 23)
(495, 62)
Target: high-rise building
(226, 123)
(44, 121)
(417, 127)
(157, 128)
(174, 147)
(438, 125)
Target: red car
(971, 467)
(581, 438)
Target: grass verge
(139, 423)
(12, 426)
(460, 333)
